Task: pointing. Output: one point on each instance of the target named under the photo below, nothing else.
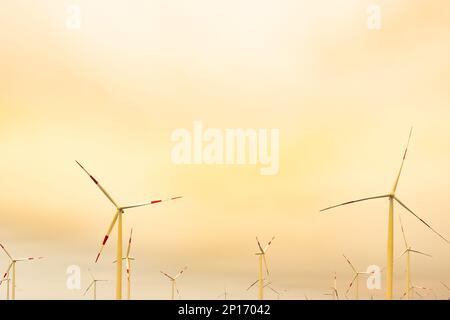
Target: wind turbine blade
(351, 283)
(7, 271)
(29, 259)
(404, 252)
(354, 201)
(421, 220)
(99, 186)
(92, 283)
(7, 253)
(394, 188)
(171, 278)
(128, 267)
(259, 245)
(149, 203)
(351, 265)
(180, 273)
(273, 290)
(111, 226)
(336, 292)
(129, 243)
(419, 252)
(251, 286)
(447, 287)
(403, 231)
(268, 244)
(334, 279)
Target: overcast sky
(111, 93)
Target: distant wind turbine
(173, 281)
(12, 266)
(408, 252)
(355, 278)
(262, 258)
(413, 289)
(93, 285)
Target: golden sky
(111, 93)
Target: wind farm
(263, 284)
(286, 118)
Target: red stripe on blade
(98, 256)
(93, 179)
(105, 239)
(155, 201)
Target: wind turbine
(118, 218)
(334, 292)
(12, 266)
(413, 291)
(408, 252)
(128, 260)
(224, 294)
(173, 280)
(355, 278)
(262, 257)
(390, 241)
(93, 284)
